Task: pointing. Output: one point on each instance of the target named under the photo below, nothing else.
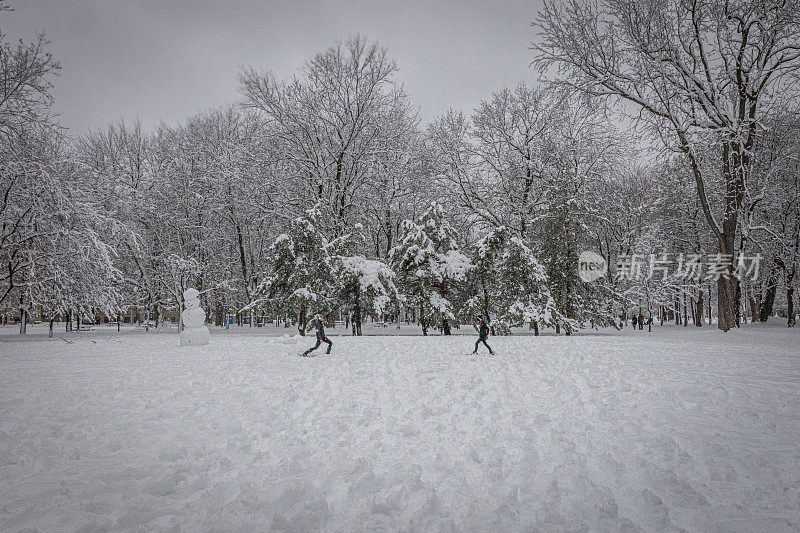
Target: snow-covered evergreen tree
(300, 273)
(364, 284)
(429, 266)
(510, 284)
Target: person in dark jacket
(320, 327)
(641, 321)
(483, 334)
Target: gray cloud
(166, 60)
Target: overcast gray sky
(165, 60)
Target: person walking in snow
(483, 334)
(641, 321)
(320, 327)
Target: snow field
(679, 429)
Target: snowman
(195, 332)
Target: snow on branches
(430, 266)
(510, 283)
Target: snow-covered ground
(680, 429)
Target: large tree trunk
(243, 261)
(727, 303)
(735, 167)
(790, 306)
(50, 331)
(727, 285)
(685, 310)
(399, 314)
(422, 317)
(768, 300)
(753, 308)
(181, 304)
(445, 322)
(738, 302)
(388, 226)
(709, 304)
(526, 194)
(699, 310)
(735, 161)
(568, 311)
(357, 310)
(23, 317)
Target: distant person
(483, 334)
(320, 327)
(633, 322)
(640, 319)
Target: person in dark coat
(320, 327)
(483, 334)
(641, 321)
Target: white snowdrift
(677, 429)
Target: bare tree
(25, 82)
(25, 71)
(330, 123)
(697, 71)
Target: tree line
(669, 131)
